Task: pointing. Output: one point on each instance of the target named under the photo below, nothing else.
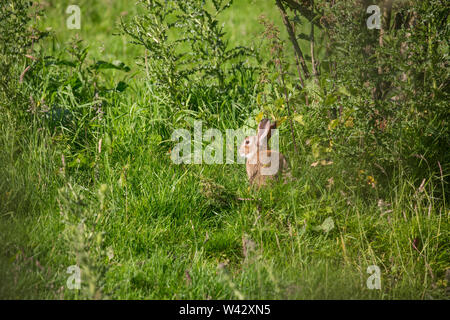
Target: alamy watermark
(74, 281)
(374, 281)
(251, 147)
(74, 20)
(374, 21)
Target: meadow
(86, 179)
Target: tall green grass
(141, 227)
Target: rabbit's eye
(247, 141)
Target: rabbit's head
(253, 144)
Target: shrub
(378, 97)
(17, 38)
(187, 54)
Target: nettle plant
(73, 74)
(18, 34)
(398, 78)
(186, 47)
(366, 85)
(69, 93)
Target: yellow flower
(371, 181)
(349, 122)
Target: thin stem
(293, 39)
(288, 107)
(311, 41)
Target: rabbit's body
(255, 167)
(262, 164)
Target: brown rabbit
(262, 164)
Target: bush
(17, 37)
(377, 98)
(187, 55)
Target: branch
(311, 41)
(22, 75)
(309, 14)
(293, 39)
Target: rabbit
(262, 164)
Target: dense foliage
(86, 177)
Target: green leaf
(344, 91)
(303, 36)
(118, 65)
(279, 102)
(121, 86)
(299, 119)
(74, 82)
(259, 99)
(60, 63)
(333, 124)
(330, 99)
(315, 148)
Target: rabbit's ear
(264, 133)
